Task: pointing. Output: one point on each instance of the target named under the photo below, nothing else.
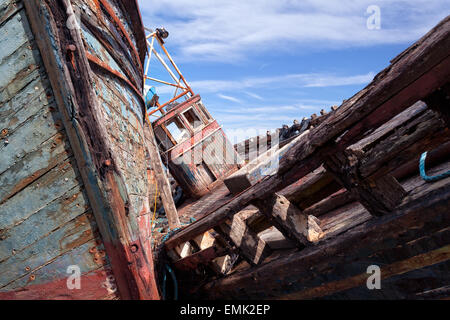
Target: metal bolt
(134, 248)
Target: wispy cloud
(227, 30)
(254, 95)
(280, 81)
(229, 98)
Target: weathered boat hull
(74, 196)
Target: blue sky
(260, 64)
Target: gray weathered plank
(39, 194)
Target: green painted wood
(35, 164)
(69, 236)
(81, 256)
(51, 217)
(39, 194)
(38, 129)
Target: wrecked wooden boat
(73, 167)
(365, 186)
(365, 191)
(192, 144)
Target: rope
(154, 209)
(174, 280)
(423, 173)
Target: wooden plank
(39, 194)
(49, 281)
(416, 135)
(343, 218)
(251, 247)
(9, 8)
(334, 201)
(417, 262)
(32, 166)
(35, 131)
(202, 257)
(14, 35)
(104, 36)
(50, 217)
(311, 188)
(439, 101)
(78, 231)
(290, 220)
(32, 99)
(94, 287)
(379, 196)
(161, 177)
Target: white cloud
(281, 81)
(229, 98)
(254, 95)
(227, 30)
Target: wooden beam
(312, 188)
(382, 241)
(249, 245)
(394, 145)
(379, 196)
(336, 200)
(386, 271)
(290, 220)
(202, 257)
(439, 101)
(161, 177)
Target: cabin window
(177, 130)
(163, 139)
(193, 119)
(202, 108)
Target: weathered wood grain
(290, 220)
(60, 211)
(161, 177)
(71, 78)
(72, 234)
(39, 194)
(349, 254)
(250, 246)
(379, 196)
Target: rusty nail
(71, 47)
(32, 277)
(107, 163)
(27, 268)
